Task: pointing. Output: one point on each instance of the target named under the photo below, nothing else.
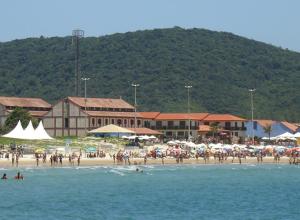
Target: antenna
(77, 34)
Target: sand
(29, 161)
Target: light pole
(251, 97)
(135, 105)
(85, 79)
(188, 87)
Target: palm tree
(268, 129)
(214, 127)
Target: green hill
(220, 67)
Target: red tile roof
(100, 102)
(204, 128)
(222, 117)
(24, 102)
(144, 131)
(113, 114)
(181, 116)
(290, 126)
(149, 115)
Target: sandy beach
(31, 162)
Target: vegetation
(18, 114)
(220, 66)
(268, 129)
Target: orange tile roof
(113, 114)
(264, 122)
(204, 128)
(222, 117)
(100, 102)
(149, 115)
(24, 102)
(290, 126)
(181, 116)
(144, 131)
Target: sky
(271, 21)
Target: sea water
(159, 192)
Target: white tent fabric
(29, 133)
(40, 132)
(16, 132)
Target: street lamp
(85, 79)
(188, 87)
(135, 105)
(251, 97)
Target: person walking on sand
(17, 159)
(78, 161)
(114, 157)
(13, 159)
(37, 161)
(51, 160)
(145, 159)
(162, 159)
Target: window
(112, 121)
(99, 121)
(119, 122)
(132, 122)
(139, 122)
(106, 121)
(235, 124)
(227, 124)
(169, 133)
(125, 122)
(236, 134)
(93, 122)
(66, 123)
(206, 123)
(182, 124)
(159, 124)
(170, 123)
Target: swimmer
(4, 177)
(138, 170)
(19, 176)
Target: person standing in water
(4, 177)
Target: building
(277, 128)
(176, 125)
(74, 116)
(173, 125)
(231, 124)
(37, 107)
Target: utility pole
(85, 100)
(188, 87)
(251, 97)
(135, 104)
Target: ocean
(159, 192)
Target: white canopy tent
(41, 133)
(29, 133)
(16, 132)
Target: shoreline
(30, 162)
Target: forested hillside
(220, 67)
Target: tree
(18, 114)
(214, 128)
(268, 129)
